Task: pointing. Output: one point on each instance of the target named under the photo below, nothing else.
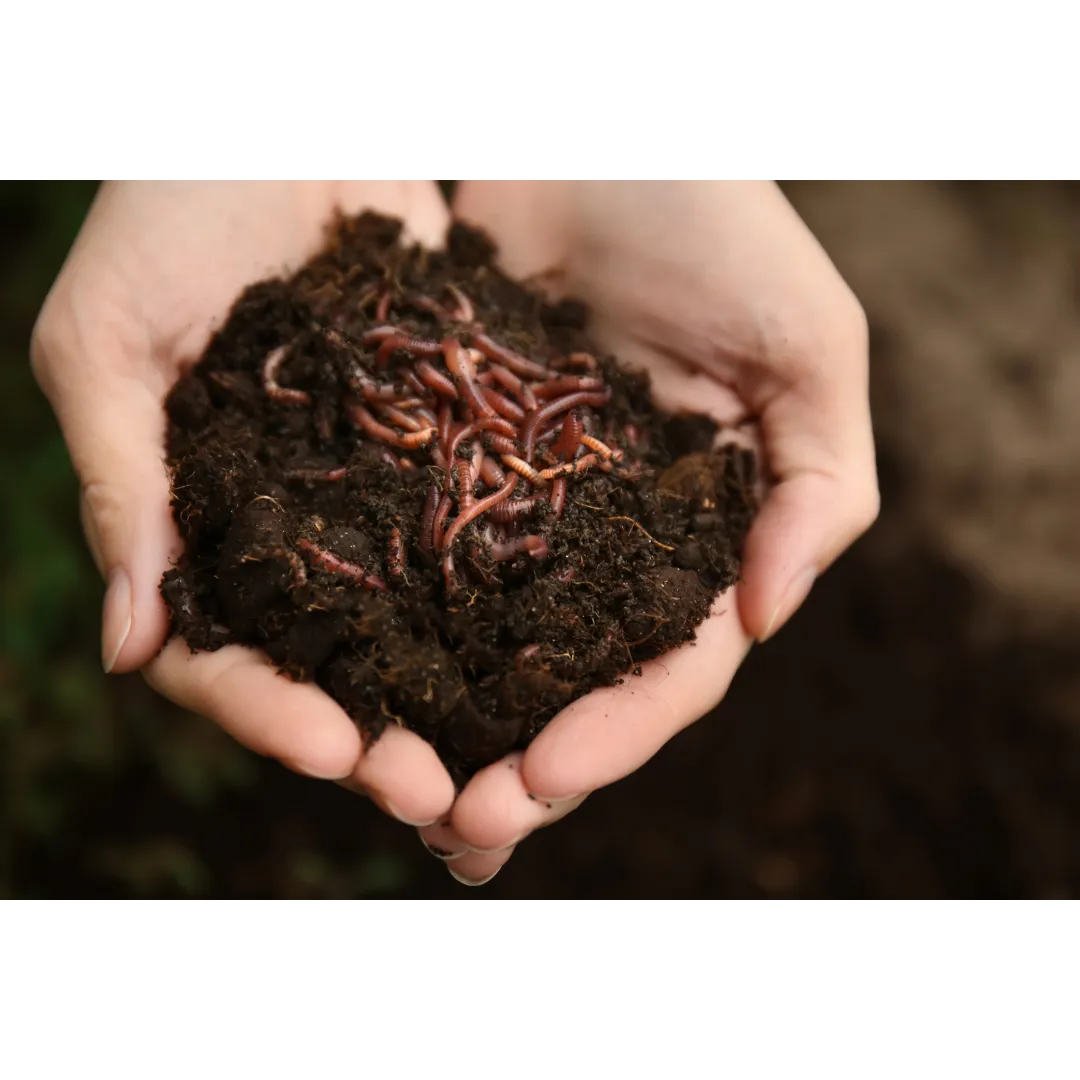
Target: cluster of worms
(502, 434)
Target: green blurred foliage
(105, 789)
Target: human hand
(725, 297)
(154, 271)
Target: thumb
(816, 429)
(111, 413)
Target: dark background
(914, 732)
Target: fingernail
(389, 807)
(442, 853)
(116, 618)
(793, 596)
(470, 881)
(502, 847)
(319, 774)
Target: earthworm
(464, 311)
(508, 380)
(549, 433)
(274, 391)
(299, 570)
(403, 419)
(391, 459)
(378, 334)
(502, 443)
(427, 519)
(481, 506)
(565, 447)
(581, 360)
(395, 558)
(465, 481)
(508, 512)
(523, 468)
(380, 393)
(480, 418)
(572, 468)
(439, 522)
(413, 345)
(328, 475)
(425, 303)
(520, 365)
(367, 297)
(446, 421)
(327, 560)
(558, 495)
(496, 424)
(442, 384)
(448, 572)
(490, 472)
(602, 448)
(461, 367)
(413, 441)
(534, 546)
(509, 410)
(552, 409)
(415, 382)
(457, 435)
(566, 384)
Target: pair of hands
(718, 289)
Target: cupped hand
(721, 292)
(153, 272)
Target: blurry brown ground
(914, 732)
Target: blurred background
(914, 732)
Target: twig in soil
(389, 715)
(658, 621)
(638, 525)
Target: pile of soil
(329, 454)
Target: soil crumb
(419, 484)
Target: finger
(419, 204)
(476, 869)
(303, 728)
(524, 217)
(441, 840)
(240, 690)
(610, 732)
(404, 776)
(497, 811)
(114, 424)
(675, 386)
(816, 426)
(120, 316)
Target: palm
(155, 270)
(169, 260)
(647, 306)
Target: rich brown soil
(310, 535)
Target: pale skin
(718, 289)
